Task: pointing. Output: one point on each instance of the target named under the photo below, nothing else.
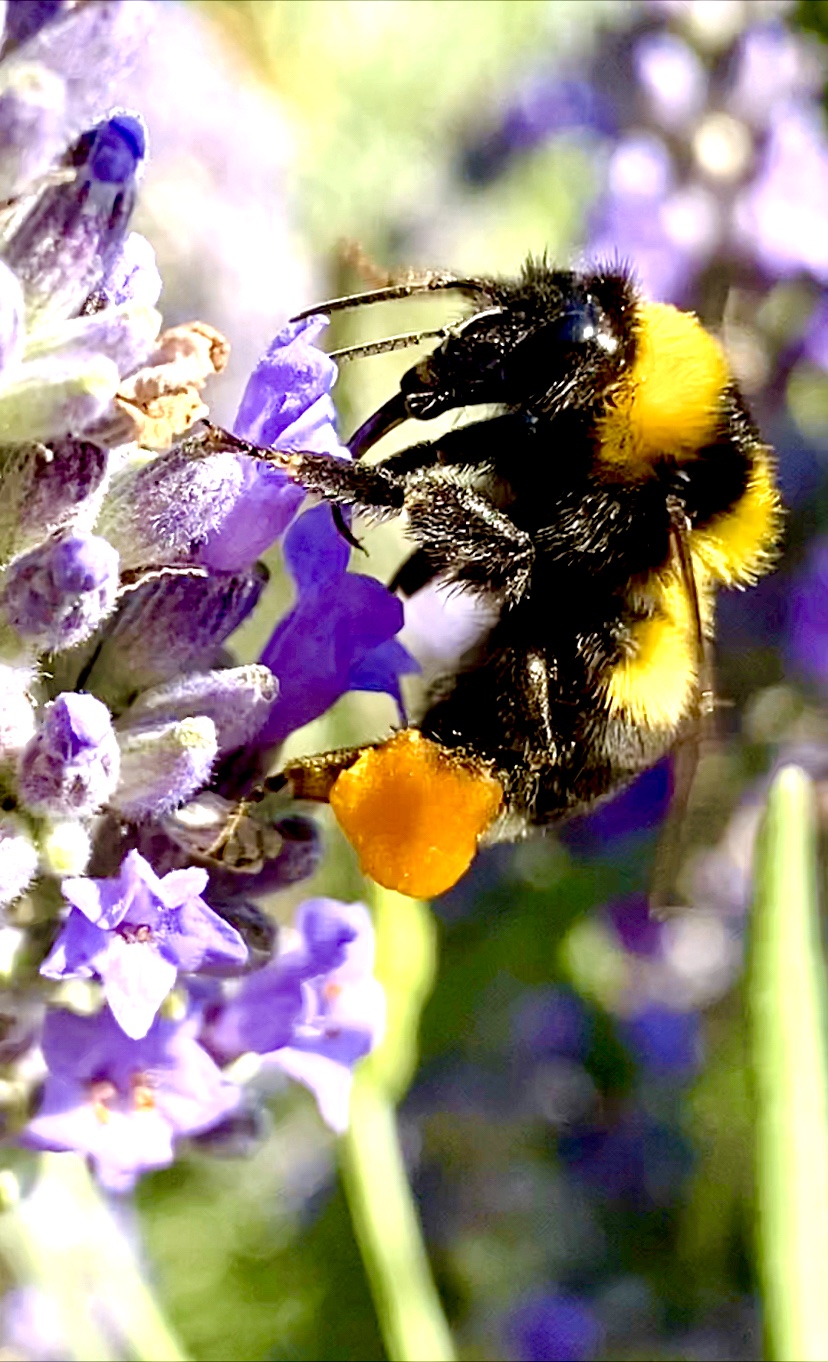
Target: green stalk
(63, 1239)
(383, 1212)
(787, 1003)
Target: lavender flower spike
(70, 767)
(32, 123)
(123, 1102)
(135, 933)
(57, 595)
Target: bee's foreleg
(467, 539)
(366, 489)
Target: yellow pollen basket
(414, 813)
(668, 403)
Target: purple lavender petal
(335, 625)
(286, 404)
(146, 929)
(25, 18)
(263, 1015)
(264, 505)
(136, 979)
(57, 595)
(77, 951)
(292, 375)
(197, 938)
(314, 551)
(773, 66)
(807, 624)
(633, 923)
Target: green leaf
(786, 993)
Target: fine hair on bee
(617, 484)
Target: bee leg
(466, 538)
(365, 488)
(313, 778)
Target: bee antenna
(382, 347)
(423, 283)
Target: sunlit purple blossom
(124, 1102)
(136, 933)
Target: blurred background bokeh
(578, 1129)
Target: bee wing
(697, 736)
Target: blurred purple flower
(637, 809)
(807, 625)
(553, 1327)
(553, 1021)
(665, 1043)
(633, 922)
(124, 1102)
(638, 1161)
(135, 933)
(780, 217)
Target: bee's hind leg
(314, 777)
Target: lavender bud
(50, 398)
(32, 125)
(163, 511)
(65, 847)
(59, 485)
(162, 767)
(64, 247)
(57, 595)
(90, 46)
(133, 276)
(18, 860)
(125, 335)
(17, 710)
(172, 625)
(71, 765)
(237, 699)
(11, 315)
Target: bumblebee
(614, 483)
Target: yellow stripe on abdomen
(656, 683)
(740, 545)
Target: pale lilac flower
(122, 1102)
(136, 933)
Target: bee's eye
(583, 322)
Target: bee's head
(551, 341)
